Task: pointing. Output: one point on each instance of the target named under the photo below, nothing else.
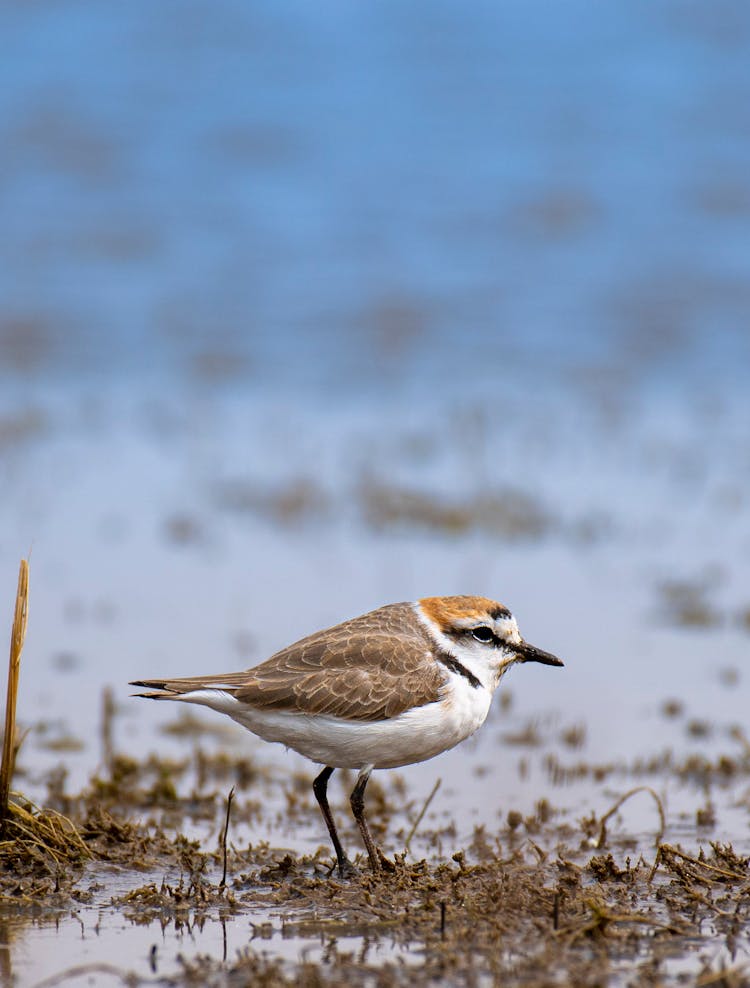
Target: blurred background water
(307, 308)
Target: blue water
(349, 197)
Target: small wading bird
(392, 687)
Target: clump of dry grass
(38, 840)
(30, 838)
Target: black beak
(528, 653)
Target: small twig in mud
(737, 734)
(17, 635)
(602, 838)
(421, 815)
(230, 797)
(704, 900)
(729, 977)
(655, 865)
(602, 918)
(86, 970)
(540, 852)
(667, 850)
(108, 716)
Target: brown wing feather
(370, 668)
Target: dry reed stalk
(18, 633)
(422, 812)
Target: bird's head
(482, 634)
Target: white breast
(412, 736)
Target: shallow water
(121, 590)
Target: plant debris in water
(541, 900)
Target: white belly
(413, 736)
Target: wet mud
(545, 898)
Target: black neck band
(452, 663)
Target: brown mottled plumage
(391, 669)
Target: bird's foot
(345, 869)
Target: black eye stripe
(465, 634)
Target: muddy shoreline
(542, 899)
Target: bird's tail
(175, 689)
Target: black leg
(357, 800)
(320, 788)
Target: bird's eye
(483, 634)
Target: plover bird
(392, 687)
